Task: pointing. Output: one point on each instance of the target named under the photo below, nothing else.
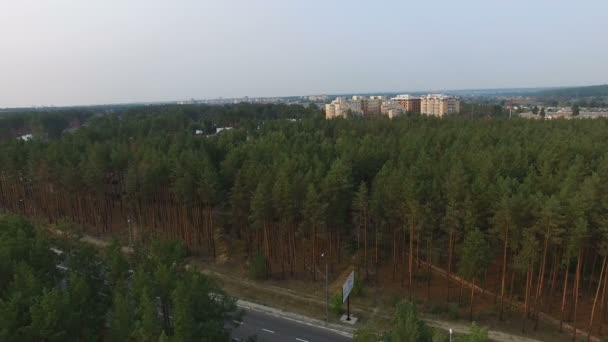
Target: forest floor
(374, 309)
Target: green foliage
(336, 305)
(576, 110)
(40, 304)
(476, 334)
(407, 326)
(365, 335)
(439, 336)
(276, 185)
(475, 254)
(121, 318)
(257, 267)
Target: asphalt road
(270, 328)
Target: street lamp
(326, 290)
(130, 233)
(450, 334)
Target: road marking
(237, 322)
(270, 331)
(301, 340)
(339, 332)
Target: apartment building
(432, 104)
(439, 105)
(340, 107)
(408, 103)
(374, 105)
(391, 108)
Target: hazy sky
(68, 52)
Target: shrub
(439, 336)
(257, 267)
(335, 304)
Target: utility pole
(326, 289)
(326, 294)
(130, 233)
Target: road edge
(336, 328)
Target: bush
(335, 304)
(257, 267)
(476, 334)
(439, 336)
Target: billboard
(348, 286)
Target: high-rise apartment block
(340, 107)
(439, 105)
(409, 103)
(432, 104)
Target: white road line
(339, 332)
(301, 340)
(237, 322)
(270, 331)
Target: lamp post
(326, 290)
(450, 334)
(130, 233)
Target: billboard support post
(348, 309)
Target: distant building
(439, 105)
(318, 98)
(219, 129)
(409, 103)
(340, 107)
(26, 137)
(391, 108)
(374, 105)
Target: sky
(77, 52)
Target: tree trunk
(395, 254)
(472, 301)
(541, 279)
(576, 287)
(449, 274)
(590, 282)
(314, 252)
(565, 290)
(554, 269)
(460, 291)
(504, 272)
(365, 247)
(402, 263)
(597, 292)
(511, 290)
(428, 260)
(376, 253)
(602, 303)
(411, 260)
(526, 300)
